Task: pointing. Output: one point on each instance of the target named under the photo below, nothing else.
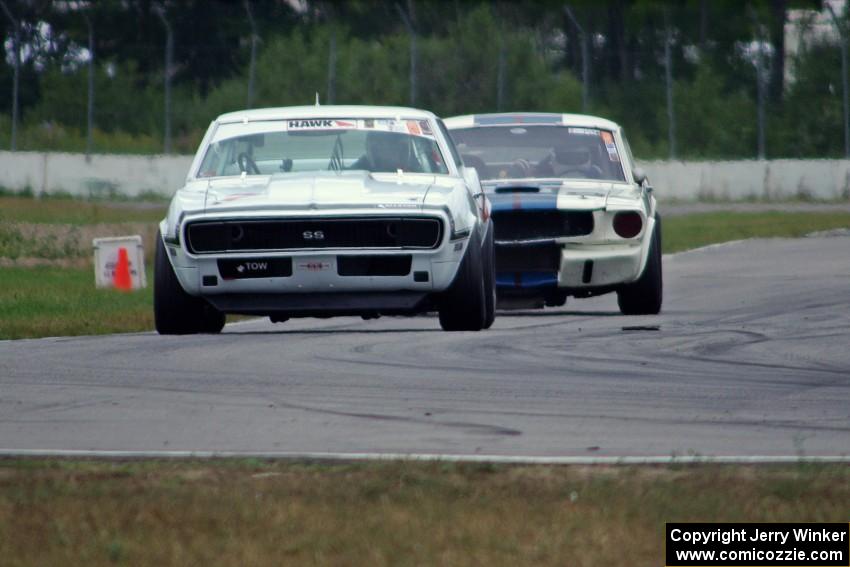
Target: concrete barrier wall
(102, 175)
(131, 176)
(741, 180)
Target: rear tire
(556, 298)
(175, 311)
(644, 297)
(463, 306)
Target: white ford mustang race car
(323, 211)
(573, 215)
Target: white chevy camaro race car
(323, 211)
(573, 215)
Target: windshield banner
(412, 127)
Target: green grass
(243, 512)
(53, 301)
(65, 210)
(692, 231)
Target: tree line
(698, 79)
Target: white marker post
(110, 271)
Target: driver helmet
(574, 157)
(570, 157)
(387, 151)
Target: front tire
(489, 267)
(644, 297)
(464, 305)
(175, 311)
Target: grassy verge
(692, 231)
(45, 301)
(276, 513)
(51, 301)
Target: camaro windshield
(322, 144)
(521, 152)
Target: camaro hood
(317, 191)
(572, 194)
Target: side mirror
(639, 175)
(470, 174)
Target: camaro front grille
(204, 237)
(535, 225)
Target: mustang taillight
(628, 224)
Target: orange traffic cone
(121, 279)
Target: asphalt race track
(750, 357)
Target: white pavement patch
(451, 458)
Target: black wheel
(489, 267)
(463, 306)
(556, 298)
(176, 312)
(644, 297)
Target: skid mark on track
(795, 370)
(470, 427)
(750, 354)
(792, 424)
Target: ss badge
(313, 235)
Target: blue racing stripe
(519, 201)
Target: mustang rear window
(376, 145)
(522, 152)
